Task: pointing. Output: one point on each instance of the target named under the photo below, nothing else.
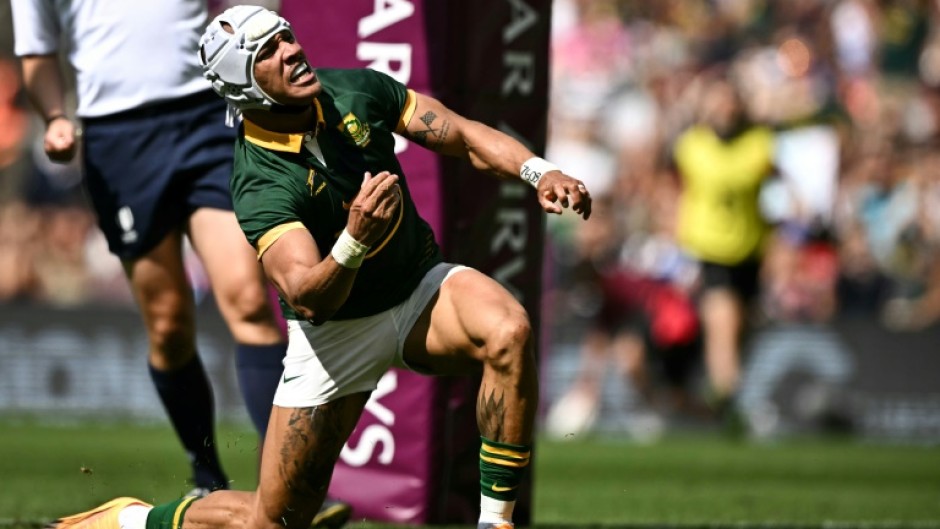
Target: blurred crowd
(50, 248)
(834, 106)
(756, 164)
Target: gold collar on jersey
(281, 141)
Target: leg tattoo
(316, 433)
(491, 411)
(311, 445)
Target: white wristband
(533, 169)
(348, 252)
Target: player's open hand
(59, 140)
(557, 190)
(374, 207)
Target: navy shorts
(148, 169)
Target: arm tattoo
(431, 137)
(491, 411)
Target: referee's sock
(187, 397)
(259, 369)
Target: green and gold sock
(169, 515)
(502, 466)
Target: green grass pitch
(683, 482)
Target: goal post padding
(413, 457)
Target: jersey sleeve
(398, 101)
(35, 27)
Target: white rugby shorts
(339, 358)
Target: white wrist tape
(533, 169)
(348, 252)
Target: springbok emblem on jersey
(357, 131)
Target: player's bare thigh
(451, 334)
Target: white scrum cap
(227, 52)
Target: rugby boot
(102, 517)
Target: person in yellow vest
(722, 161)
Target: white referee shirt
(126, 53)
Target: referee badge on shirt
(356, 130)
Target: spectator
(722, 161)
(14, 135)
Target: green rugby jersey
(280, 182)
